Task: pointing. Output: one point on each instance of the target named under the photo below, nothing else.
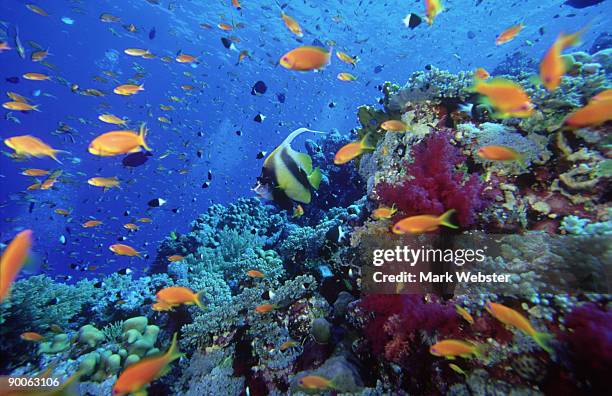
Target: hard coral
(433, 185)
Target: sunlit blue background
(221, 104)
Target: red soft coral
(434, 185)
(398, 319)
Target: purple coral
(589, 341)
(433, 185)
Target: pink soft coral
(433, 185)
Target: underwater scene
(274, 197)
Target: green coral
(111, 353)
(59, 343)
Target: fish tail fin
(173, 352)
(71, 386)
(446, 217)
(198, 300)
(543, 340)
(35, 108)
(142, 134)
(522, 161)
(575, 39)
(54, 153)
(315, 178)
(366, 144)
(141, 87)
(535, 80)
(481, 351)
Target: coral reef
(285, 298)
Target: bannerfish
(287, 175)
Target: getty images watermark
(477, 262)
(409, 256)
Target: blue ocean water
(216, 119)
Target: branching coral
(433, 186)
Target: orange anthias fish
(144, 220)
(91, 223)
(509, 34)
(306, 58)
(450, 349)
(265, 308)
(384, 212)
(507, 97)
(481, 74)
(128, 89)
(350, 151)
(346, 58)
(135, 51)
(30, 146)
(119, 142)
(31, 336)
(19, 106)
(298, 211)
(596, 112)
(124, 250)
(106, 182)
(179, 295)
(36, 76)
(4, 46)
(17, 98)
(552, 66)
(62, 212)
(51, 180)
(135, 378)
(175, 257)
(185, 58)
(131, 226)
(432, 9)
(510, 317)
(255, 274)
(39, 56)
(501, 153)
(315, 383)
(35, 172)
(111, 119)
(292, 25)
(287, 344)
(423, 223)
(346, 77)
(394, 126)
(464, 314)
(37, 10)
(225, 26)
(13, 258)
